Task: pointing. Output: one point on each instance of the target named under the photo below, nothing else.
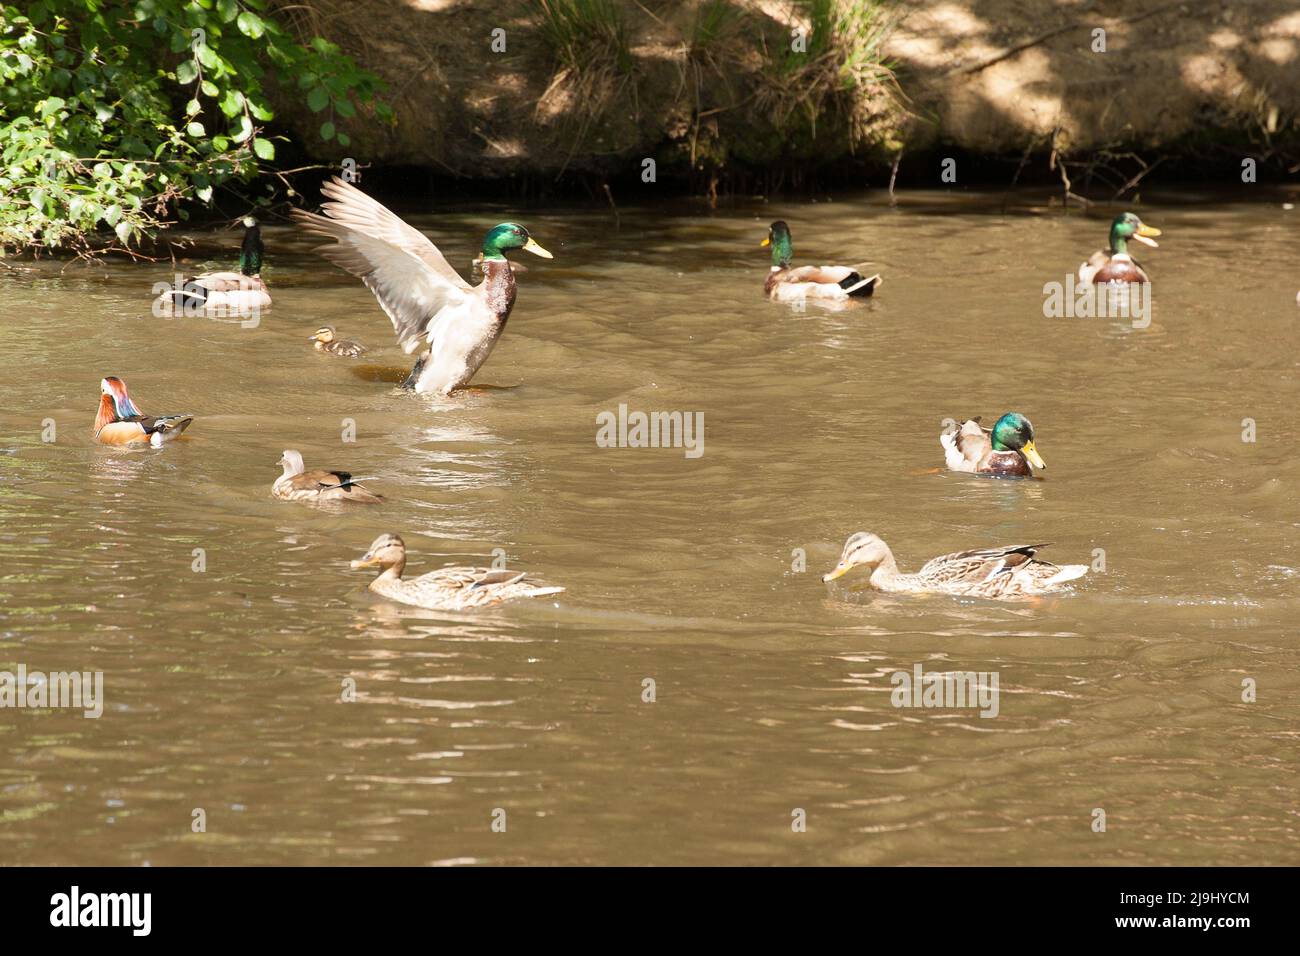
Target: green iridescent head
(251, 251)
(778, 237)
(510, 235)
(1128, 226)
(1014, 432)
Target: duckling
(299, 485)
(119, 422)
(325, 341)
(1116, 265)
(1006, 451)
(240, 291)
(447, 589)
(785, 284)
(985, 572)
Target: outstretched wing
(405, 271)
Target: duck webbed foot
(410, 380)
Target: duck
(326, 340)
(1116, 265)
(241, 291)
(999, 573)
(1006, 450)
(119, 422)
(786, 284)
(447, 589)
(297, 484)
(452, 325)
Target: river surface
(771, 737)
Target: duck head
(778, 237)
(1128, 226)
(324, 335)
(291, 462)
(510, 235)
(387, 551)
(862, 549)
(1014, 432)
(115, 389)
(251, 250)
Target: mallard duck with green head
(1115, 264)
(446, 589)
(786, 283)
(999, 573)
(241, 291)
(451, 324)
(1006, 450)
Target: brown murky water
(223, 687)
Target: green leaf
(250, 25)
(196, 130)
(186, 72)
(327, 130)
(123, 230)
(245, 129)
(227, 10)
(318, 99)
(209, 88)
(193, 107)
(344, 139)
(112, 214)
(204, 193)
(264, 148)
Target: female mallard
(1117, 265)
(119, 422)
(447, 589)
(326, 341)
(1007, 450)
(785, 284)
(984, 572)
(299, 485)
(240, 291)
(431, 307)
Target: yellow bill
(1031, 453)
(766, 242)
(1146, 234)
(841, 569)
(535, 247)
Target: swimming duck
(1006, 450)
(326, 341)
(299, 485)
(1117, 265)
(119, 422)
(785, 284)
(453, 325)
(240, 291)
(984, 572)
(447, 589)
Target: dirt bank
(715, 87)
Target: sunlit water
(772, 692)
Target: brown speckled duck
(297, 484)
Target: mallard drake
(299, 485)
(785, 284)
(119, 422)
(1117, 265)
(984, 572)
(240, 291)
(326, 340)
(453, 324)
(1005, 450)
(447, 589)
